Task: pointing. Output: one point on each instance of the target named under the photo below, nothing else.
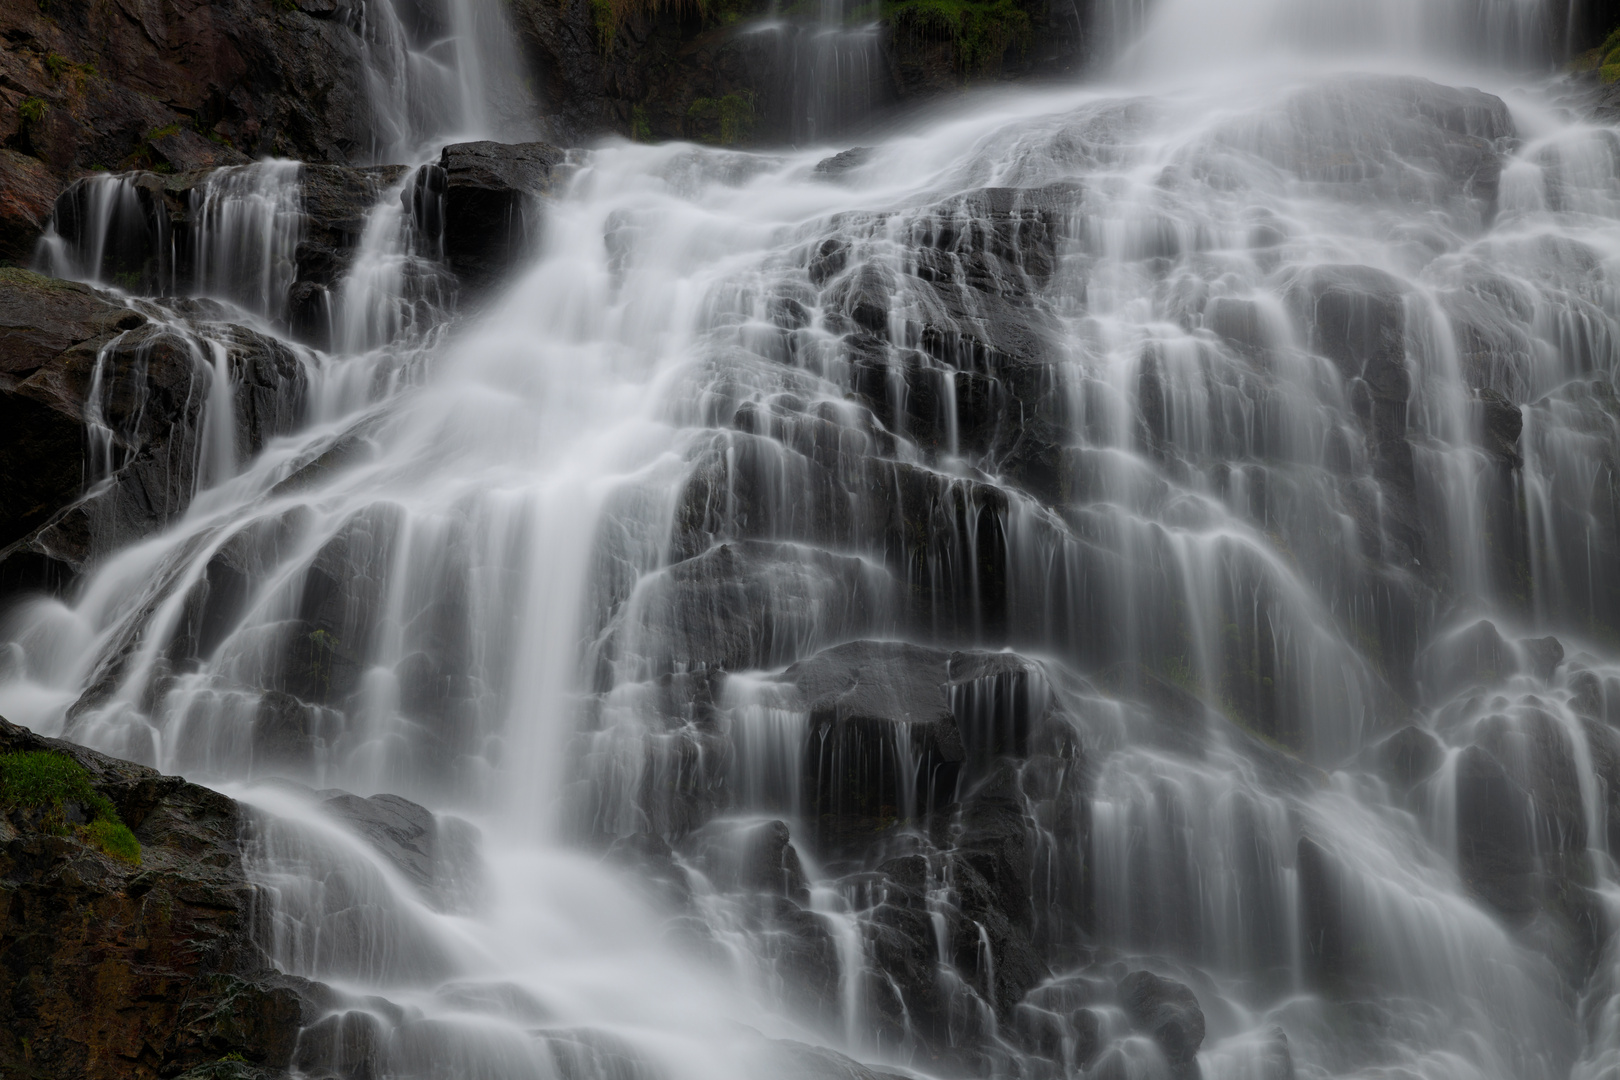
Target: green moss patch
(43, 781)
(1605, 59)
(981, 32)
(723, 121)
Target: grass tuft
(41, 780)
(1605, 59)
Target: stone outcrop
(725, 74)
(187, 85)
(492, 204)
(1167, 1012)
(106, 406)
(117, 971)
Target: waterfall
(1115, 543)
(437, 70)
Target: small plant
(113, 837)
(41, 780)
(32, 110)
(640, 127)
(728, 120)
(234, 1055)
(609, 15)
(59, 65)
(320, 663)
(1605, 59)
(980, 31)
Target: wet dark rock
(1356, 317)
(1409, 757)
(1494, 843)
(653, 863)
(907, 991)
(278, 80)
(799, 945)
(832, 168)
(345, 1043)
(155, 239)
(960, 328)
(1538, 752)
(756, 857)
(740, 77)
(1586, 92)
(1365, 137)
(336, 200)
(1071, 1038)
(1165, 1010)
(1276, 1058)
(1474, 655)
(56, 328)
(1502, 424)
(117, 971)
(998, 699)
(1541, 656)
(438, 854)
(1329, 958)
(56, 334)
(492, 199)
(27, 193)
(1603, 741)
(1239, 323)
(993, 911)
(883, 743)
(339, 609)
(1594, 696)
(753, 604)
(353, 447)
(799, 1061)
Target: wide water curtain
(1115, 580)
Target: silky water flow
(1164, 526)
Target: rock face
(109, 970)
(727, 74)
(492, 195)
(107, 408)
(194, 84)
(1167, 1012)
(120, 88)
(438, 855)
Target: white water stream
(506, 602)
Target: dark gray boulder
(1541, 656)
(752, 856)
(1494, 842)
(1409, 757)
(436, 853)
(1165, 1010)
(62, 504)
(492, 199)
(1477, 654)
(883, 744)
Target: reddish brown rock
(122, 972)
(27, 193)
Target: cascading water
(1272, 422)
(438, 69)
